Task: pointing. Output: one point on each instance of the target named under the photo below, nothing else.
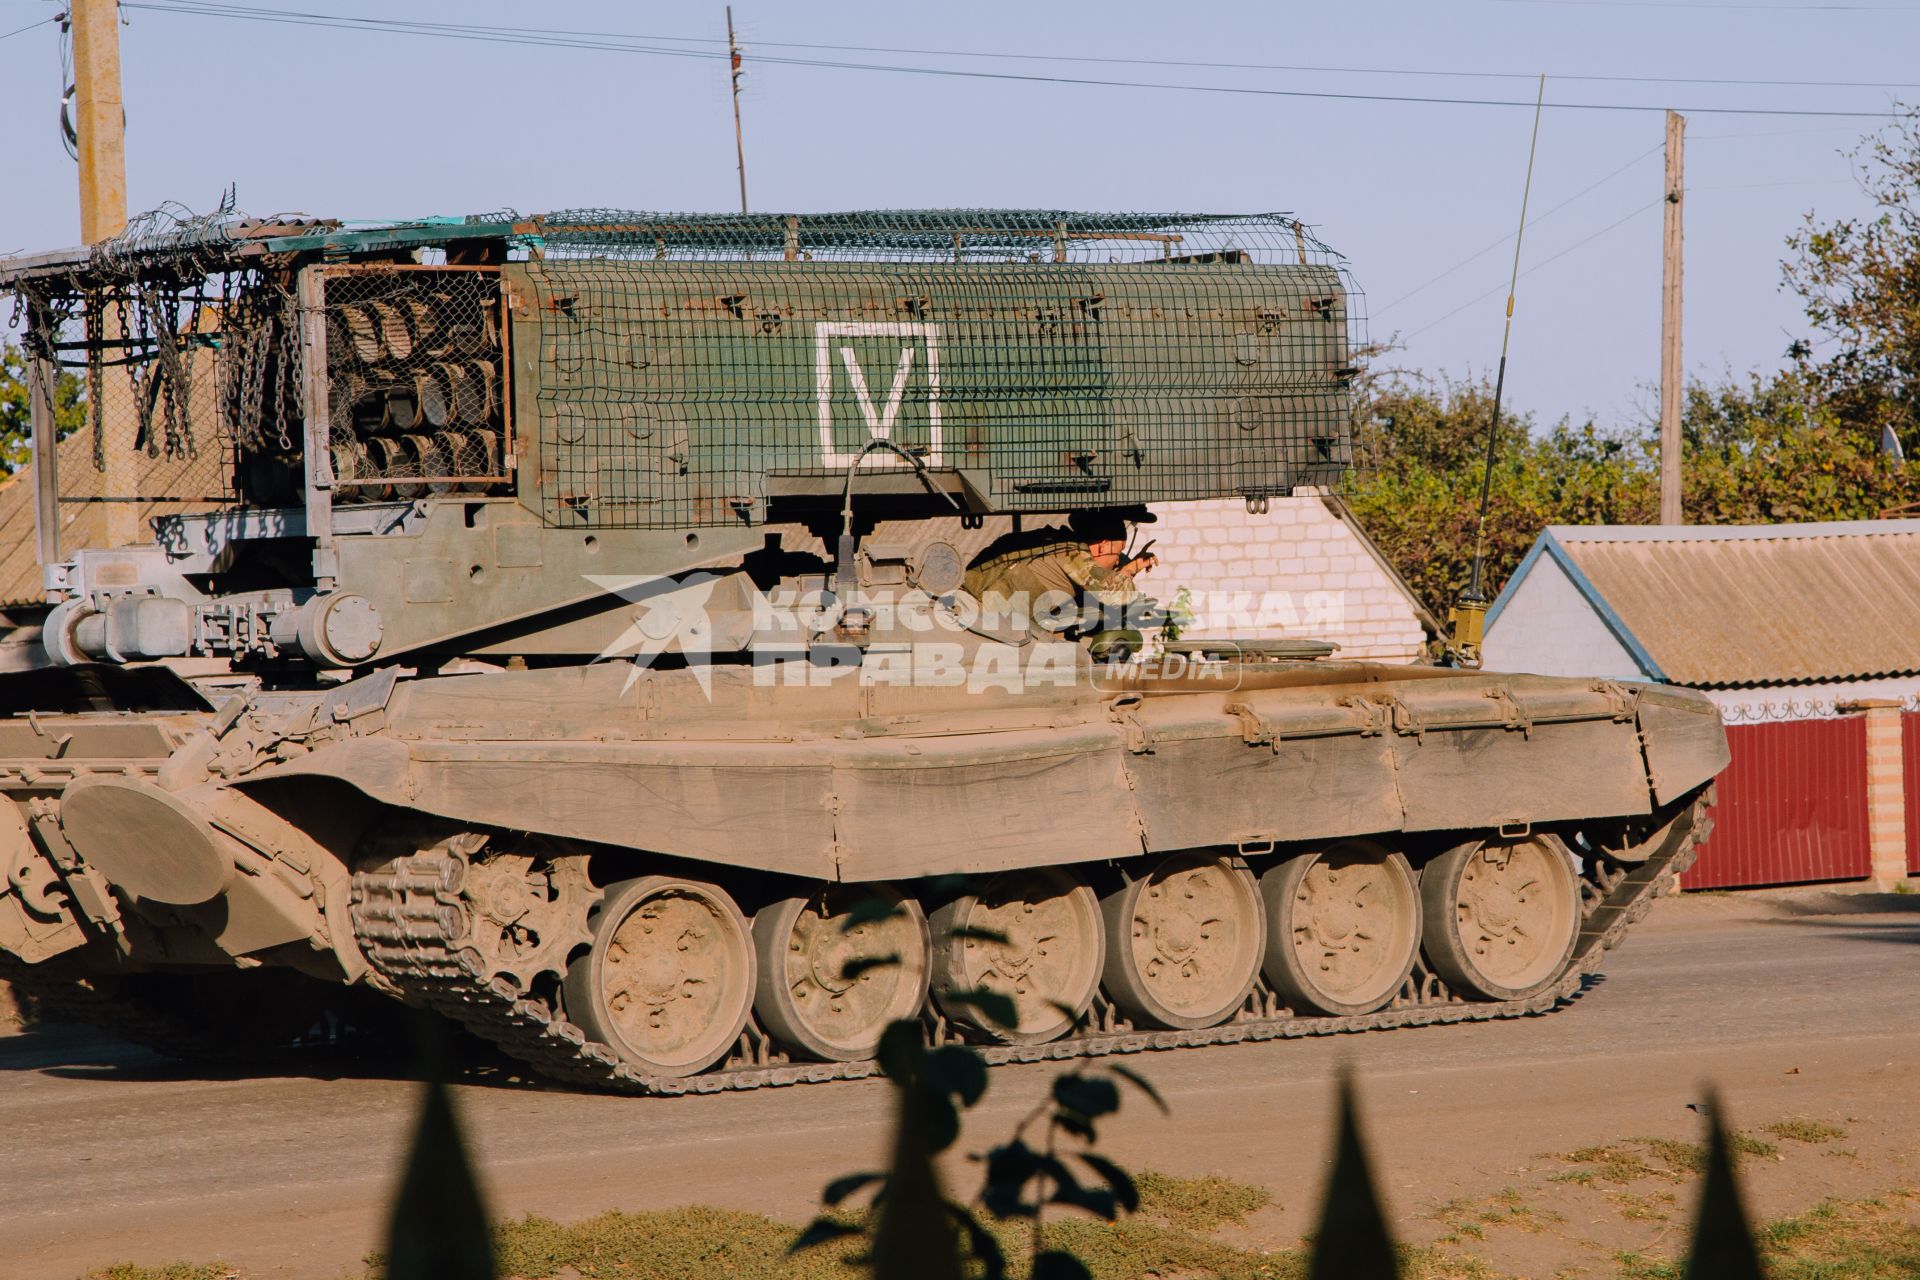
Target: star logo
(669, 615)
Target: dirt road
(1801, 1007)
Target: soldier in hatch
(1066, 579)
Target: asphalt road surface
(1790, 1006)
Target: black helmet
(1101, 524)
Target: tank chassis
(557, 623)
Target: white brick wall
(1299, 562)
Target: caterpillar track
(411, 923)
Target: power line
(1465, 262)
(529, 36)
(1578, 244)
(418, 26)
(30, 26)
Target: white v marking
(879, 424)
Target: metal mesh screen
(416, 399)
(685, 371)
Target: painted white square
(879, 418)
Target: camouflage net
(679, 366)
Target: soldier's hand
(1139, 564)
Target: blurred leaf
(902, 1050)
(822, 1230)
(861, 964)
(1723, 1246)
(1078, 1017)
(1353, 1242)
(1125, 1193)
(872, 910)
(440, 1229)
(1091, 1096)
(1073, 1122)
(840, 1188)
(994, 1006)
(974, 933)
(1009, 1169)
(1141, 1083)
(942, 1120)
(958, 1070)
(1053, 1264)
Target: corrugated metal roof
(1760, 604)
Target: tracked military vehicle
(558, 623)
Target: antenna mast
(1467, 619)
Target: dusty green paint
(672, 393)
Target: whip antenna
(1467, 619)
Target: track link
(410, 921)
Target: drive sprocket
(526, 911)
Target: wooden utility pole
(101, 123)
(739, 146)
(100, 118)
(1671, 374)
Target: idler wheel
(810, 999)
(668, 982)
(1048, 964)
(1343, 927)
(1501, 915)
(1184, 942)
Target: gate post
(1886, 791)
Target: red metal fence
(1910, 757)
(1792, 805)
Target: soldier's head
(1106, 530)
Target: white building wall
(1549, 628)
(1820, 701)
(1296, 572)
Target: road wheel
(1048, 964)
(1501, 915)
(668, 981)
(807, 999)
(1184, 942)
(1343, 927)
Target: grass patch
(1198, 1204)
(1637, 1207)
(1632, 1159)
(1167, 1238)
(1798, 1130)
(167, 1271)
(1834, 1240)
(1614, 1162)
(1470, 1216)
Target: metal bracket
(1255, 731)
(1514, 715)
(1121, 712)
(1625, 701)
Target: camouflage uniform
(1054, 572)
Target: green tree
(1421, 447)
(16, 414)
(1767, 450)
(1859, 279)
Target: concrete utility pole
(739, 146)
(101, 122)
(1671, 374)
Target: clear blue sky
(357, 124)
